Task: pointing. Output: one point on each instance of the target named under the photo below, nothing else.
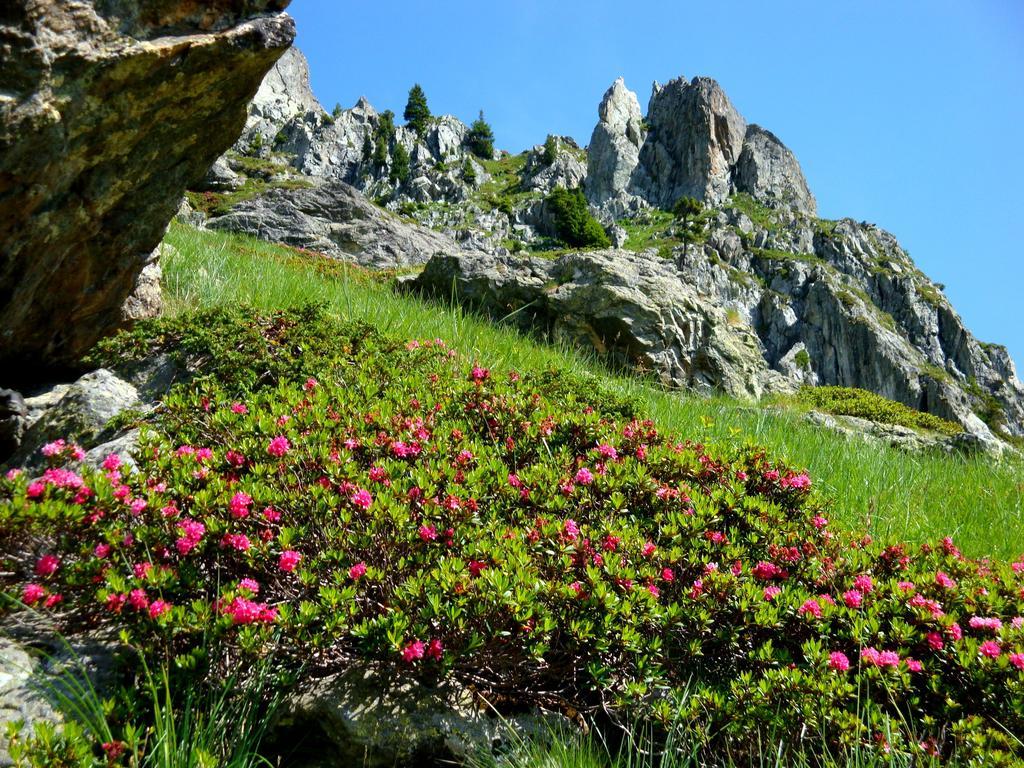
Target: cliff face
(108, 110)
(767, 298)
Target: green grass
(916, 497)
(649, 230)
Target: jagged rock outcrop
(693, 142)
(333, 218)
(107, 112)
(615, 144)
(567, 169)
(769, 172)
(631, 307)
(695, 138)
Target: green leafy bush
(850, 401)
(550, 150)
(336, 495)
(574, 224)
(399, 165)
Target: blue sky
(905, 113)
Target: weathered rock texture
(615, 143)
(107, 112)
(334, 219)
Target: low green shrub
(331, 496)
(575, 226)
(850, 401)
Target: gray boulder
(79, 412)
(631, 308)
(332, 218)
(365, 718)
(13, 419)
(109, 110)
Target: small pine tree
(481, 138)
(575, 225)
(689, 213)
(336, 112)
(550, 150)
(399, 165)
(417, 113)
(382, 136)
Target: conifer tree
(417, 113)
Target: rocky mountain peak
(615, 144)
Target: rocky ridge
(768, 297)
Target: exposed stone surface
(80, 413)
(629, 306)
(366, 719)
(568, 170)
(695, 139)
(615, 144)
(13, 420)
(334, 219)
(769, 172)
(107, 112)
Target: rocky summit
(754, 295)
(108, 111)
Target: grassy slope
(915, 497)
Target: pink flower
(800, 481)
(101, 551)
(239, 505)
(138, 599)
(52, 449)
(239, 408)
(357, 571)
(853, 598)
(244, 611)
(413, 651)
(271, 515)
(770, 593)
(577, 588)
(765, 571)
(810, 606)
(476, 567)
(47, 565)
(914, 665)
(1017, 659)
(52, 600)
(875, 658)
(667, 574)
(955, 632)
(362, 498)
(238, 541)
(838, 661)
(979, 622)
(35, 489)
(111, 462)
(251, 585)
(32, 594)
(310, 384)
(990, 648)
(905, 586)
(649, 549)
(279, 446)
(158, 608)
(141, 570)
(115, 602)
(863, 583)
(934, 641)
(584, 476)
(819, 522)
(435, 650)
(479, 374)
(610, 543)
(428, 532)
(653, 589)
(944, 581)
(138, 506)
(571, 529)
(607, 451)
(289, 560)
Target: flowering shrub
(406, 506)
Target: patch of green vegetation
(774, 254)
(825, 227)
(850, 401)
(576, 227)
(648, 230)
(929, 293)
(935, 372)
(802, 359)
(220, 203)
(760, 214)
